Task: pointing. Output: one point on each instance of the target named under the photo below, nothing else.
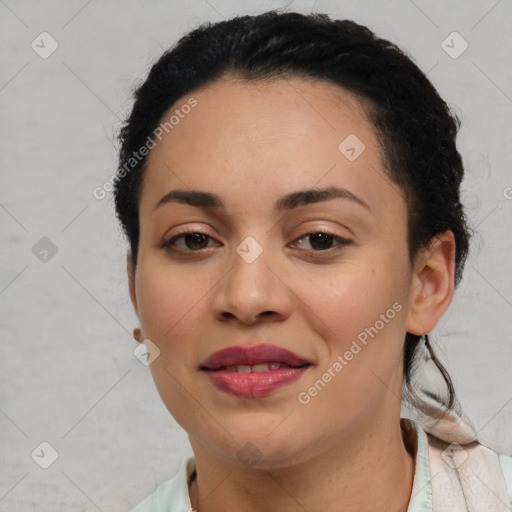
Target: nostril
(268, 314)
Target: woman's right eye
(192, 241)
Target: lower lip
(254, 384)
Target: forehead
(237, 111)
(268, 137)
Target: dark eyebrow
(310, 196)
(191, 197)
(287, 202)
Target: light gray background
(69, 376)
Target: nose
(253, 291)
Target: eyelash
(342, 242)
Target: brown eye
(322, 241)
(195, 240)
(190, 241)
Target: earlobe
(433, 284)
(137, 334)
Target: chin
(265, 445)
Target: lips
(252, 355)
(254, 371)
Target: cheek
(170, 304)
(355, 299)
(363, 318)
(360, 370)
(170, 311)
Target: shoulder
(476, 473)
(172, 495)
(455, 467)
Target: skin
(251, 143)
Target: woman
(289, 187)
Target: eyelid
(190, 228)
(187, 231)
(342, 241)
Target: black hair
(415, 127)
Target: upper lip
(252, 354)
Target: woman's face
(259, 273)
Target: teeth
(261, 367)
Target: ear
(137, 332)
(432, 284)
(130, 269)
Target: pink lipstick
(254, 371)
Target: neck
(373, 472)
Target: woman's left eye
(321, 239)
